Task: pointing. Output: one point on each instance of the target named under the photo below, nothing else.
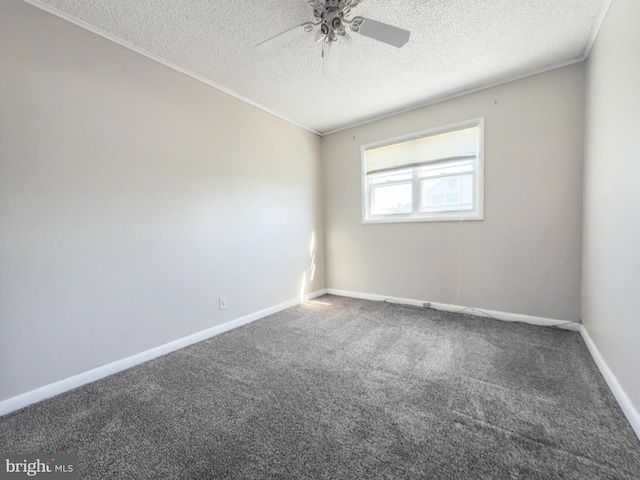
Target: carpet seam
(539, 442)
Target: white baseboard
(15, 403)
(627, 406)
(56, 388)
(316, 294)
(508, 317)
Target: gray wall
(131, 198)
(611, 259)
(525, 256)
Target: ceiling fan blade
(380, 31)
(330, 58)
(284, 37)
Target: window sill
(436, 217)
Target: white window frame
(477, 213)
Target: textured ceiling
(455, 46)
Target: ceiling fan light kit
(331, 20)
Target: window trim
(475, 214)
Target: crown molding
(123, 43)
(478, 88)
(416, 106)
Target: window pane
(391, 199)
(446, 194)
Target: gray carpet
(346, 389)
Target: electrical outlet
(222, 303)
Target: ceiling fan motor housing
(331, 15)
(319, 13)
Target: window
(429, 176)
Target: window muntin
(431, 176)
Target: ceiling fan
(332, 17)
